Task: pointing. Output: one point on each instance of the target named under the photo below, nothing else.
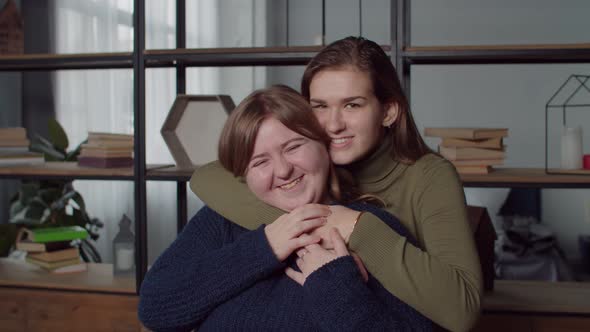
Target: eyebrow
(282, 146)
(345, 100)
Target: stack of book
(471, 150)
(52, 249)
(14, 148)
(105, 150)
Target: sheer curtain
(96, 100)
(102, 100)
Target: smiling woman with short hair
(219, 276)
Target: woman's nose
(283, 168)
(335, 123)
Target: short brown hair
(367, 56)
(236, 143)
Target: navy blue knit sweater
(218, 276)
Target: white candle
(571, 148)
(125, 258)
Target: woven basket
(12, 39)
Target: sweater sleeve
(202, 268)
(338, 300)
(216, 187)
(443, 281)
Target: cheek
(321, 117)
(257, 182)
(319, 163)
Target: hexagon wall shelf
(192, 128)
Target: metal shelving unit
(399, 50)
(32, 62)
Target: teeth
(340, 140)
(291, 184)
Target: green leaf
(49, 195)
(15, 208)
(36, 210)
(28, 192)
(21, 218)
(51, 154)
(79, 200)
(73, 155)
(57, 134)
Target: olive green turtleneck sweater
(443, 281)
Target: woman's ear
(391, 114)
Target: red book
(105, 162)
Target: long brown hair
(367, 56)
(236, 143)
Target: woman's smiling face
(345, 104)
(286, 169)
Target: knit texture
(217, 276)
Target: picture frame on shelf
(572, 95)
(192, 128)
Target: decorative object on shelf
(567, 98)
(55, 203)
(471, 150)
(587, 161)
(192, 128)
(124, 248)
(12, 39)
(527, 249)
(107, 150)
(571, 148)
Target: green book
(54, 234)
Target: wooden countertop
(538, 296)
(97, 278)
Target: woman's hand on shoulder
(291, 231)
(341, 218)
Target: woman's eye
(352, 105)
(318, 107)
(258, 163)
(293, 147)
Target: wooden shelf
(169, 173)
(525, 177)
(538, 297)
(490, 54)
(235, 56)
(65, 170)
(98, 278)
(66, 61)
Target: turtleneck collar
(378, 166)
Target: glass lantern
(124, 248)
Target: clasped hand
(304, 229)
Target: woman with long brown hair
(356, 95)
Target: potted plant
(50, 203)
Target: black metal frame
(582, 79)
